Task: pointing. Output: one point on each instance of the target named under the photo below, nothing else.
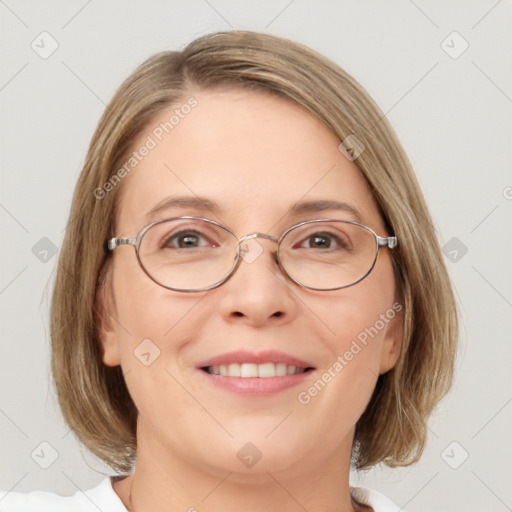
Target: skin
(256, 156)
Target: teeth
(248, 370)
(280, 369)
(290, 370)
(264, 370)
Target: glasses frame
(113, 243)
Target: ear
(392, 343)
(107, 325)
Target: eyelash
(182, 234)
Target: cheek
(358, 318)
(151, 319)
(155, 327)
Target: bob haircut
(94, 398)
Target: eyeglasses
(192, 254)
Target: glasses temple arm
(390, 241)
(116, 242)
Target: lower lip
(256, 385)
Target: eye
(323, 240)
(187, 239)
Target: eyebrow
(324, 205)
(185, 202)
(203, 204)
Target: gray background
(453, 116)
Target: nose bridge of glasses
(250, 249)
(252, 236)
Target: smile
(246, 370)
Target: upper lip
(244, 356)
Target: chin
(254, 455)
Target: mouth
(263, 373)
(248, 370)
(251, 370)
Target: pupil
(188, 240)
(320, 241)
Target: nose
(258, 294)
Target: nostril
(278, 314)
(238, 313)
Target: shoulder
(374, 499)
(102, 497)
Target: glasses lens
(326, 255)
(187, 254)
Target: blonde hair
(94, 399)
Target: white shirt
(104, 498)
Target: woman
(285, 311)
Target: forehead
(254, 155)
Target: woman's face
(257, 158)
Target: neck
(162, 481)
